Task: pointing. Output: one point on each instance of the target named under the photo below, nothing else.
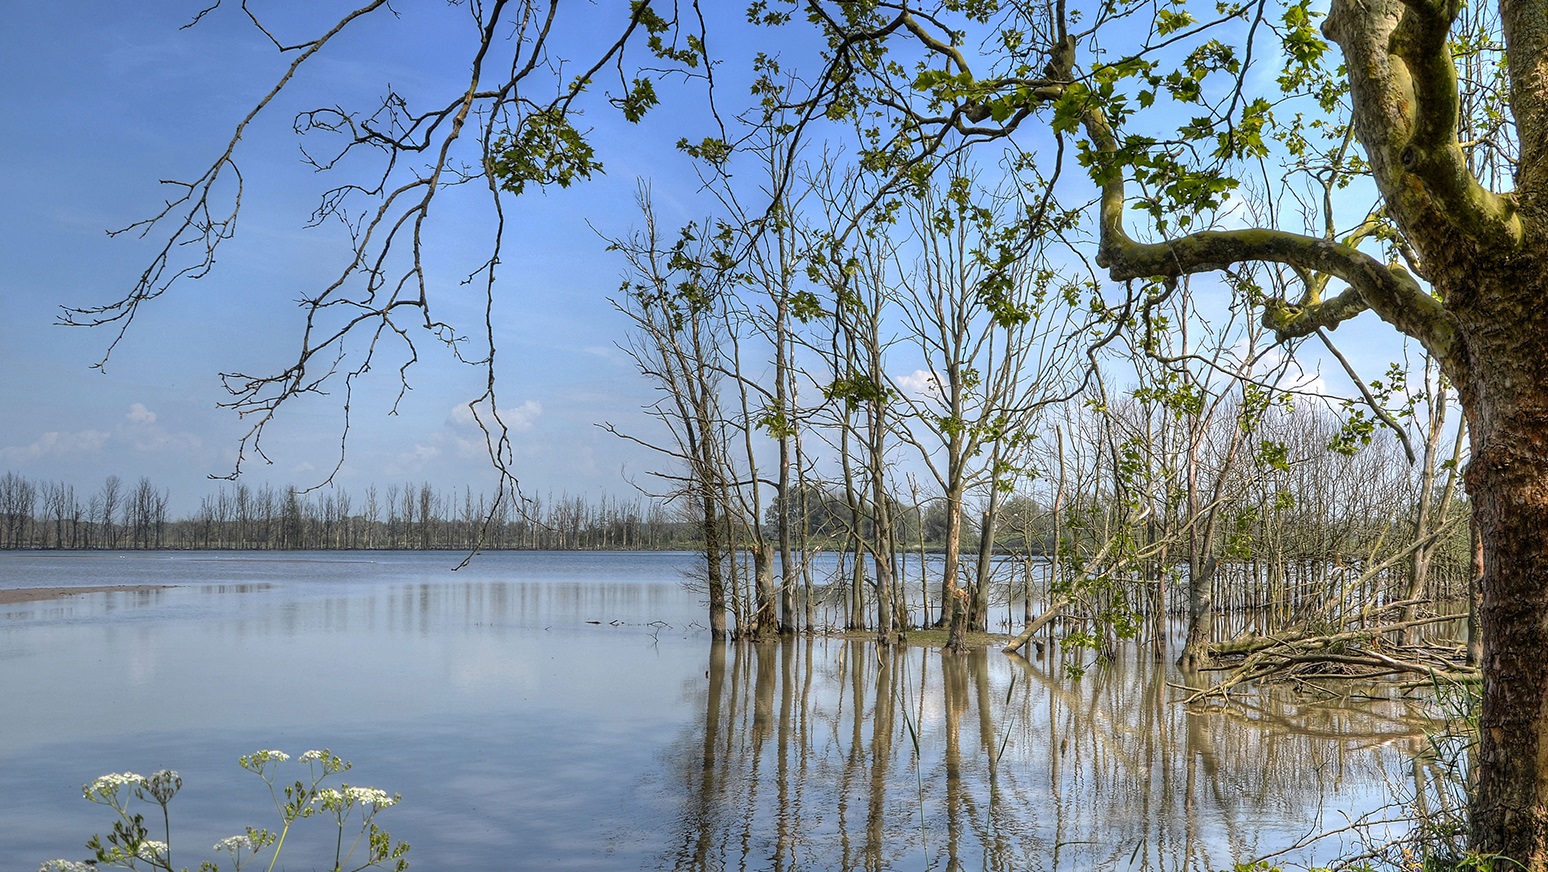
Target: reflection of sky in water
(525, 737)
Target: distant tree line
(55, 515)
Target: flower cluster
(343, 798)
(129, 844)
(105, 789)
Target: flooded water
(568, 711)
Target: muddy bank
(32, 594)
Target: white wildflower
(370, 796)
(234, 844)
(313, 755)
(348, 797)
(106, 787)
(66, 866)
(151, 849)
(256, 761)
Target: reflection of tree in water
(806, 758)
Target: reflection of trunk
(763, 694)
(881, 760)
(788, 817)
(955, 680)
(709, 791)
(855, 655)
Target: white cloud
(919, 383)
(520, 419)
(1295, 377)
(142, 432)
(414, 461)
(55, 444)
(523, 416)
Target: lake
(568, 711)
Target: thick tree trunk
(766, 621)
(1508, 481)
(1201, 612)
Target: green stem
(166, 832)
(278, 845)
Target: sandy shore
(32, 594)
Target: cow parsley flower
(345, 798)
(370, 796)
(66, 866)
(256, 761)
(105, 788)
(233, 845)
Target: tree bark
(1507, 400)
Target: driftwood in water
(1362, 653)
(1053, 610)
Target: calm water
(567, 711)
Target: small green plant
(352, 810)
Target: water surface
(568, 711)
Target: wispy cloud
(56, 444)
(141, 432)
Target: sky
(104, 99)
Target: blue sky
(104, 99)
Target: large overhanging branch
(1390, 291)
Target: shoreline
(13, 596)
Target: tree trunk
(953, 597)
(766, 621)
(717, 583)
(1508, 481)
(1201, 612)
